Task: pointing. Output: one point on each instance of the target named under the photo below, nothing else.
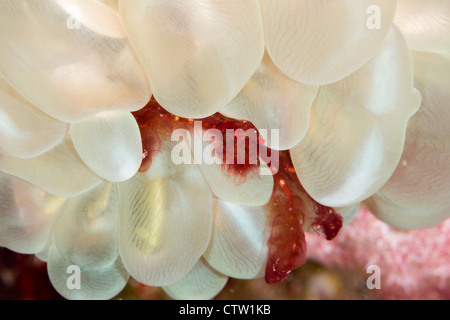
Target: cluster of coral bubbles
(326, 105)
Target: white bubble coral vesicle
(358, 128)
(416, 196)
(330, 39)
(69, 72)
(198, 54)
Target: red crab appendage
(287, 244)
(156, 125)
(290, 208)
